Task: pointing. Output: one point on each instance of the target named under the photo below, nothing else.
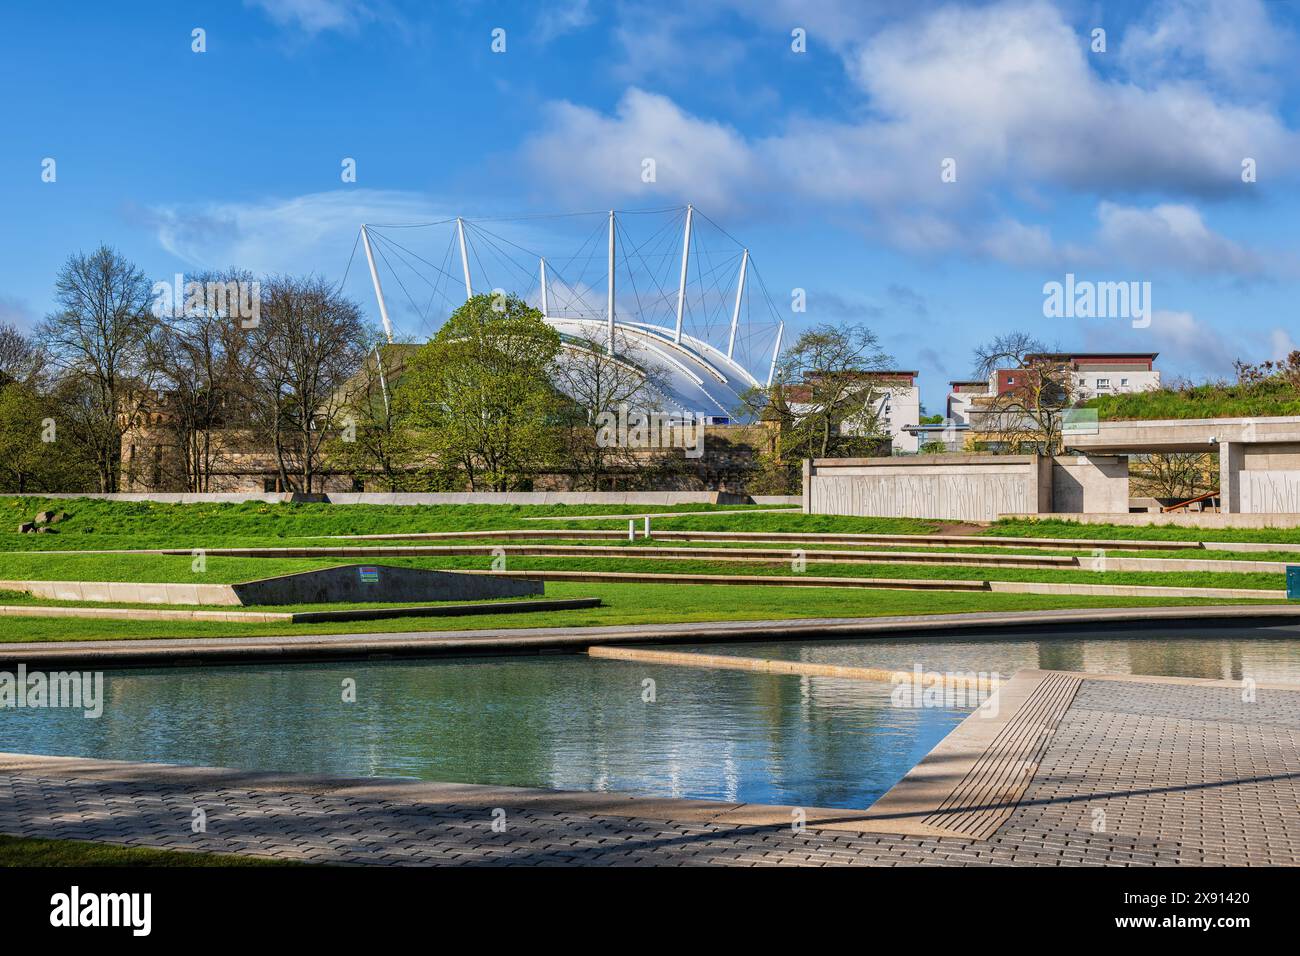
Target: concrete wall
(953, 487)
(966, 487)
(1266, 478)
(1089, 484)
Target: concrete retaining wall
(1089, 484)
(953, 487)
(324, 586)
(371, 583)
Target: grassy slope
(1061, 528)
(1200, 401)
(163, 568)
(28, 851)
(623, 604)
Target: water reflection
(576, 723)
(569, 723)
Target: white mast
(681, 288)
(776, 351)
(379, 290)
(735, 313)
(383, 382)
(464, 258)
(609, 306)
(545, 310)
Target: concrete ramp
(379, 582)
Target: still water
(571, 722)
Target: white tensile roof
(693, 379)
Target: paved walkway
(1065, 769)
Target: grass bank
(32, 851)
(176, 569)
(623, 604)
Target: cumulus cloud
(1171, 236)
(1007, 91)
(584, 151)
(1234, 41)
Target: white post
(379, 290)
(609, 306)
(545, 310)
(681, 287)
(464, 257)
(776, 351)
(735, 313)
(383, 384)
(646, 530)
(631, 529)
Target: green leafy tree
(479, 396)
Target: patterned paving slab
(989, 792)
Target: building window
(1123, 383)
(1103, 383)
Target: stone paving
(1136, 772)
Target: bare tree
(1179, 475)
(826, 396)
(99, 338)
(1027, 409)
(20, 360)
(599, 385)
(372, 440)
(202, 360)
(308, 342)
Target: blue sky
(1115, 165)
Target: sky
(921, 168)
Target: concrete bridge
(1259, 469)
(1259, 458)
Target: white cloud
(1008, 91)
(311, 233)
(1171, 236)
(1234, 41)
(316, 16)
(586, 152)
(559, 18)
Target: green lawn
(98, 524)
(30, 851)
(177, 569)
(1061, 528)
(623, 604)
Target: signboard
(1293, 582)
(369, 575)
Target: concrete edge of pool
(975, 798)
(308, 647)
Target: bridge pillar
(1231, 458)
